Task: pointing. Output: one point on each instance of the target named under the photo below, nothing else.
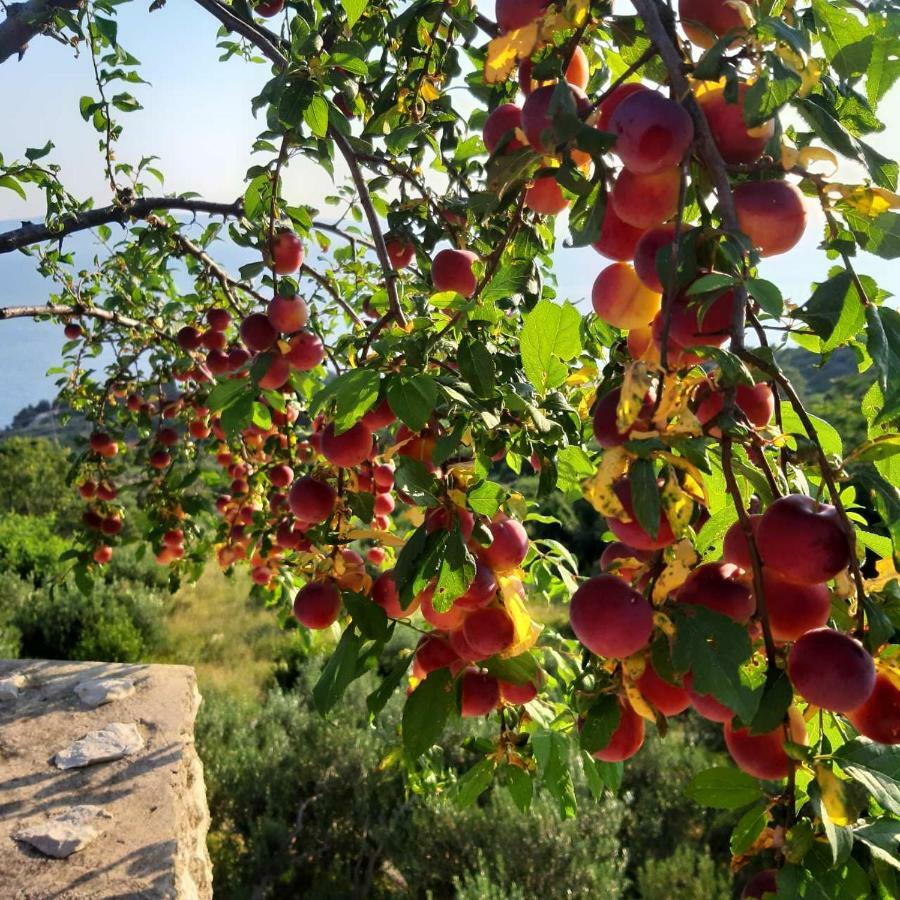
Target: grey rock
(98, 691)
(10, 687)
(112, 742)
(67, 832)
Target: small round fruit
(501, 126)
(311, 500)
(317, 604)
(287, 253)
(760, 885)
(306, 351)
(434, 652)
(348, 449)
(631, 532)
(718, 586)
(605, 425)
(480, 694)
(610, 618)
(621, 300)
(276, 375)
(257, 332)
(218, 319)
(102, 554)
(704, 21)
(771, 214)
(481, 591)
(735, 548)
(537, 119)
(609, 105)
(509, 546)
(737, 143)
(669, 699)
(449, 620)
(645, 201)
(287, 314)
(646, 253)
(518, 694)
(793, 609)
(878, 718)
(802, 540)
(626, 740)
(696, 324)
(400, 252)
(831, 670)
(545, 196)
(762, 755)
(386, 595)
(451, 270)
(652, 132)
(705, 704)
(618, 240)
(489, 631)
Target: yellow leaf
(429, 92)
(664, 624)
(582, 375)
(680, 559)
(637, 701)
(525, 631)
(598, 490)
(887, 573)
(371, 534)
(692, 482)
(870, 201)
(676, 504)
(505, 51)
(673, 415)
(833, 795)
(585, 403)
(635, 384)
(572, 15)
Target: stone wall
(101, 789)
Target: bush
(685, 875)
(30, 546)
(117, 622)
(301, 807)
(33, 480)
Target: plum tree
(363, 444)
(763, 755)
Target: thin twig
(75, 311)
(320, 279)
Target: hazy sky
(197, 119)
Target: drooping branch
(27, 20)
(35, 232)
(91, 312)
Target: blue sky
(197, 119)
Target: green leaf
(883, 341)
(645, 495)
(353, 394)
(354, 9)
(573, 465)
(426, 712)
(368, 616)
(7, 181)
(225, 393)
(473, 783)
(601, 721)
(876, 767)
(476, 365)
(586, 216)
(882, 837)
(377, 700)
(486, 498)
(818, 879)
(516, 670)
(767, 295)
(32, 154)
(880, 236)
(551, 335)
(826, 127)
(749, 827)
(724, 788)
(400, 138)
(835, 311)
(847, 42)
(414, 479)
(412, 398)
(456, 572)
(239, 413)
(768, 94)
(339, 672)
(773, 706)
(520, 786)
(417, 563)
(262, 415)
(551, 752)
(109, 28)
(828, 434)
(713, 647)
(316, 116)
(508, 281)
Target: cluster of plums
(803, 547)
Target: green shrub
(117, 622)
(30, 546)
(33, 480)
(685, 875)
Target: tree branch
(27, 20)
(33, 312)
(258, 36)
(35, 232)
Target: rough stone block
(154, 846)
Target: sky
(197, 119)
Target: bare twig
(91, 312)
(35, 232)
(320, 279)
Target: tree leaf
(339, 671)
(354, 9)
(724, 788)
(883, 339)
(551, 751)
(476, 365)
(456, 572)
(473, 783)
(876, 767)
(316, 116)
(412, 398)
(601, 721)
(551, 335)
(426, 712)
(882, 837)
(749, 827)
(645, 495)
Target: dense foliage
(345, 425)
